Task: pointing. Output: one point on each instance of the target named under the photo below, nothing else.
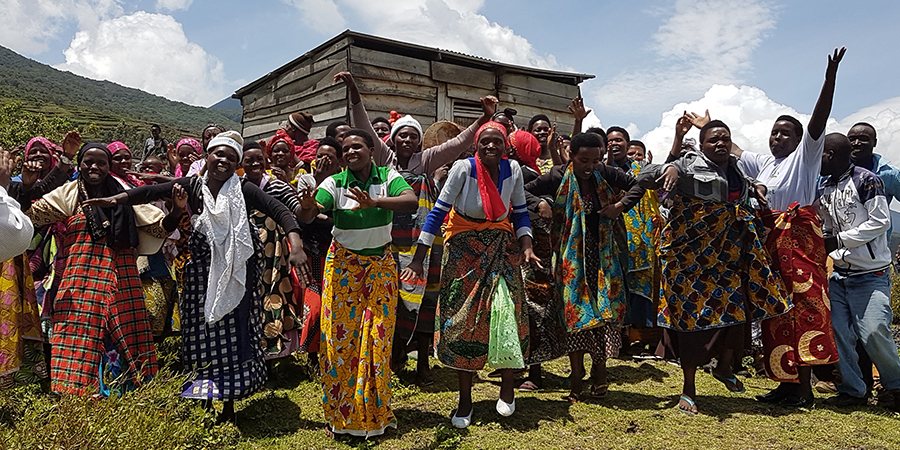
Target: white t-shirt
(793, 178)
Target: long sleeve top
(854, 208)
(424, 162)
(461, 193)
(56, 178)
(16, 229)
(254, 197)
(544, 187)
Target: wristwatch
(65, 159)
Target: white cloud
(32, 24)
(696, 47)
(322, 15)
(173, 5)
(749, 112)
(447, 24)
(149, 52)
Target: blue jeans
(861, 312)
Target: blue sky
(648, 56)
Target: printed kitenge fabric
(588, 304)
(804, 336)
(715, 270)
(159, 293)
(100, 299)
(227, 357)
(418, 299)
(316, 241)
(481, 268)
(359, 303)
(544, 306)
(21, 351)
(282, 302)
(642, 224)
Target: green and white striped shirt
(364, 231)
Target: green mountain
(230, 108)
(103, 109)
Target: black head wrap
(115, 224)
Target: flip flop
(528, 386)
(731, 383)
(690, 402)
(599, 391)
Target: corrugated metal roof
(419, 51)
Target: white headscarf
(405, 121)
(224, 223)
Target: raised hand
(347, 78)
(7, 163)
(281, 174)
(307, 198)
(489, 105)
(576, 107)
(179, 197)
(697, 120)
(362, 198)
(683, 125)
(834, 60)
(71, 143)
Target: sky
(747, 61)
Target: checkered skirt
(99, 296)
(227, 357)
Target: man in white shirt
(803, 337)
(16, 229)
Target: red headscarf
(114, 147)
(528, 148)
(305, 152)
(490, 195)
(280, 136)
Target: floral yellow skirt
(359, 304)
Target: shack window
(466, 112)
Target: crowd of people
(503, 247)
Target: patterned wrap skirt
(282, 302)
(21, 348)
(227, 358)
(804, 336)
(359, 304)
(99, 311)
(544, 306)
(482, 268)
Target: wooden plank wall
(425, 89)
(531, 96)
(306, 87)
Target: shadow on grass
(445, 379)
(628, 374)
(530, 411)
(726, 407)
(272, 415)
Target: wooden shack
(429, 83)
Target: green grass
(638, 413)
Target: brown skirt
(697, 348)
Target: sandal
(528, 386)
(731, 383)
(572, 398)
(691, 409)
(599, 390)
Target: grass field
(638, 413)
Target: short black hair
(381, 119)
(624, 132)
(597, 130)
(252, 145)
(535, 119)
(798, 127)
(361, 133)
(586, 140)
(155, 125)
(867, 125)
(637, 143)
(712, 124)
(331, 129)
(333, 143)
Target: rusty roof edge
(437, 54)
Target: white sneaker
(506, 409)
(462, 422)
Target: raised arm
(823, 105)
(579, 112)
(625, 181)
(446, 153)
(359, 118)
